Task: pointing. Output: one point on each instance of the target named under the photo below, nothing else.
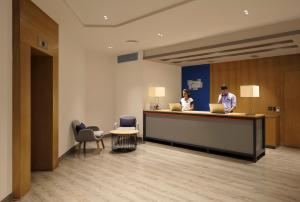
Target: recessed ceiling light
(109, 47)
(105, 17)
(246, 12)
(160, 35)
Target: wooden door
(41, 111)
(291, 112)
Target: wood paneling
(268, 73)
(30, 23)
(291, 127)
(272, 131)
(16, 101)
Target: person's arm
(192, 106)
(233, 103)
(220, 99)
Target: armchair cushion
(127, 121)
(98, 133)
(126, 128)
(80, 127)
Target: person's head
(224, 89)
(185, 93)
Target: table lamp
(250, 91)
(157, 92)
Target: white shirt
(186, 104)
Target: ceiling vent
(132, 41)
(127, 58)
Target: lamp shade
(249, 91)
(157, 92)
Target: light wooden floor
(162, 173)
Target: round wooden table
(123, 140)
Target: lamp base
(154, 106)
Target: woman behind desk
(187, 103)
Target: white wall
(100, 90)
(129, 89)
(5, 98)
(72, 88)
(158, 74)
(86, 77)
(133, 80)
(122, 89)
(72, 70)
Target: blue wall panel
(191, 77)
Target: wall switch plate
(42, 43)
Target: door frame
(32, 28)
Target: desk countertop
(206, 113)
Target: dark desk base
(207, 149)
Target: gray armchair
(90, 134)
(127, 123)
(127, 142)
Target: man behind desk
(227, 99)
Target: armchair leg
(79, 147)
(97, 144)
(102, 144)
(84, 146)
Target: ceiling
(271, 40)
(118, 12)
(179, 21)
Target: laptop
(217, 108)
(175, 106)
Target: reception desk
(233, 134)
